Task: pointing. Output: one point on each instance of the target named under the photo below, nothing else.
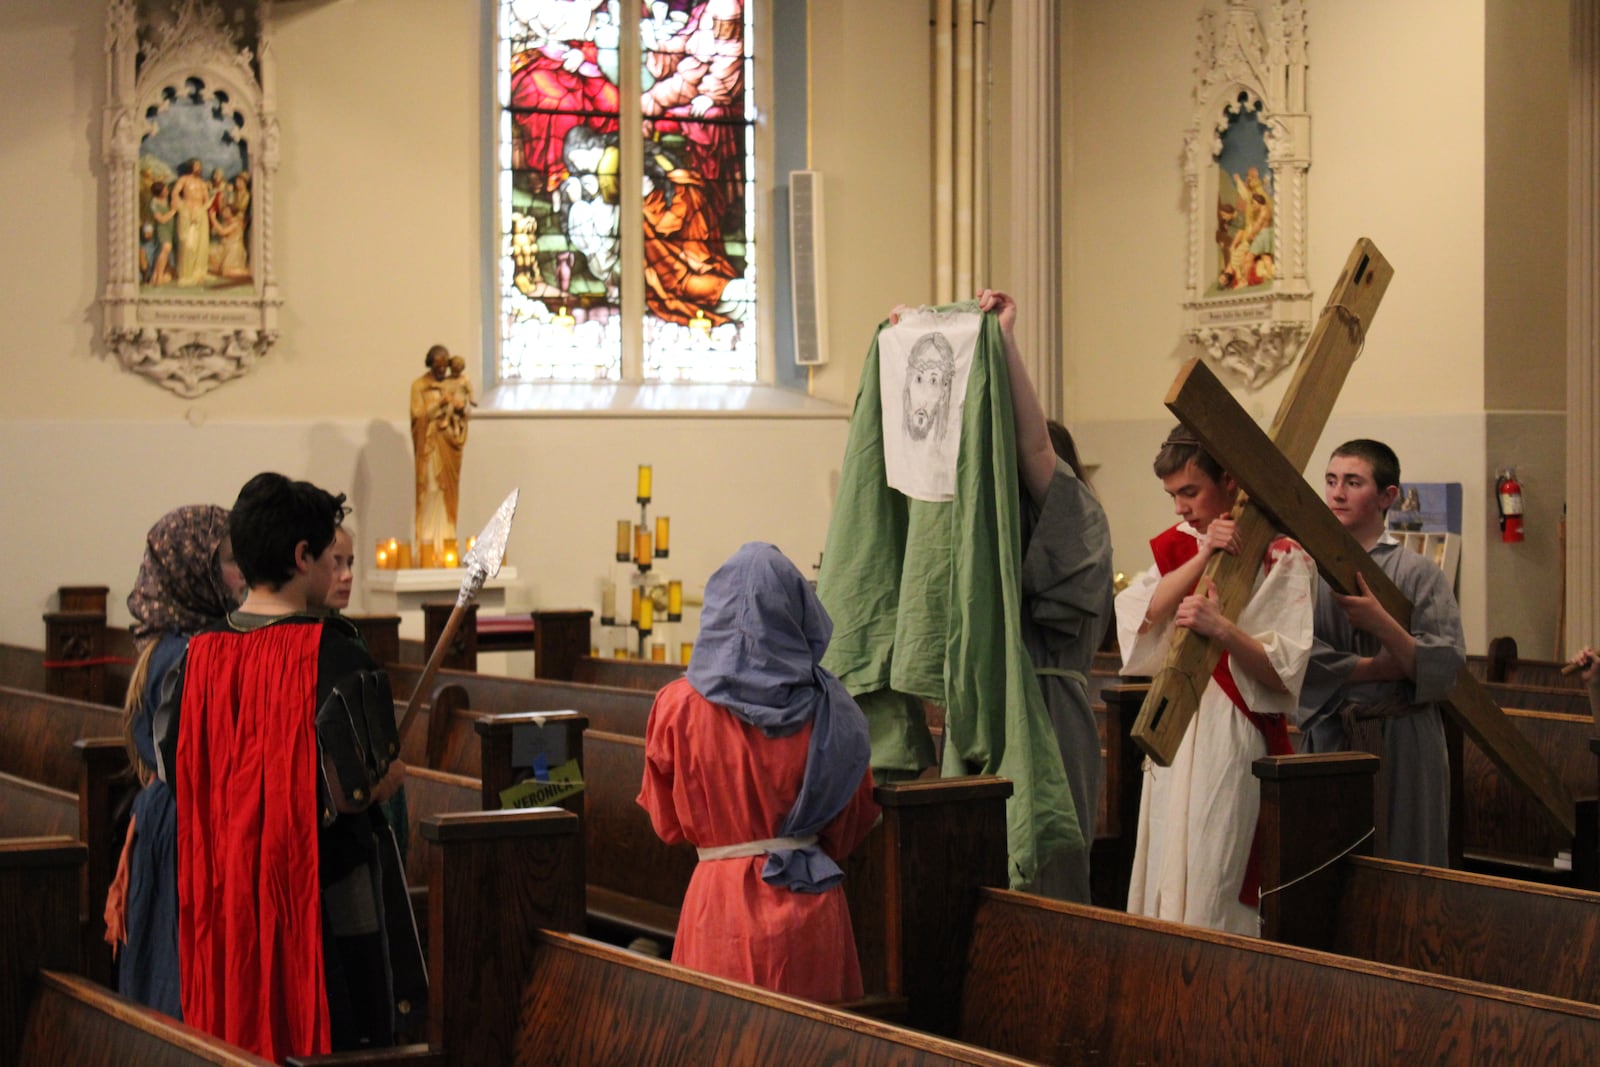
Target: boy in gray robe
(1373, 685)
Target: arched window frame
(633, 392)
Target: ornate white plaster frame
(1251, 54)
(187, 340)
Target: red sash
(1173, 548)
(249, 906)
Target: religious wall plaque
(190, 151)
(1246, 154)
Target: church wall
(871, 80)
(79, 514)
(1525, 188)
(1398, 155)
(1525, 311)
(377, 213)
(1524, 580)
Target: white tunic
(1197, 818)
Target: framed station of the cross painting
(1246, 154)
(190, 152)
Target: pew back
(37, 732)
(77, 1022)
(590, 1003)
(28, 809)
(1544, 939)
(1499, 822)
(614, 708)
(1138, 990)
(625, 673)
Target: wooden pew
(1135, 990)
(85, 659)
(37, 732)
(1563, 700)
(1503, 664)
(75, 1021)
(444, 735)
(65, 770)
(515, 985)
(557, 638)
(49, 1014)
(29, 809)
(636, 883)
(1503, 832)
(625, 673)
(39, 880)
(1046, 981)
(1321, 890)
(625, 712)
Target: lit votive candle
(674, 600)
(450, 558)
(633, 611)
(647, 615)
(382, 557)
(608, 603)
(624, 536)
(393, 548)
(658, 652)
(426, 552)
(403, 557)
(663, 527)
(685, 650)
(643, 495)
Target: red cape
(249, 904)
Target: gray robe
(1067, 606)
(1414, 780)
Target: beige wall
(378, 235)
(1525, 186)
(1400, 154)
(377, 212)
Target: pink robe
(712, 780)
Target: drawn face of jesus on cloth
(929, 370)
(923, 364)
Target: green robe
(926, 602)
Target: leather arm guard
(357, 740)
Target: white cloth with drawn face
(923, 364)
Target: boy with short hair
(1374, 685)
(1197, 818)
(295, 934)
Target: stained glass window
(566, 176)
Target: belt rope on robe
(1352, 711)
(1062, 672)
(755, 848)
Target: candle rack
(653, 597)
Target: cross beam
(1277, 489)
(1335, 342)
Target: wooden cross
(1267, 468)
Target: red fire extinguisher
(1508, 493)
